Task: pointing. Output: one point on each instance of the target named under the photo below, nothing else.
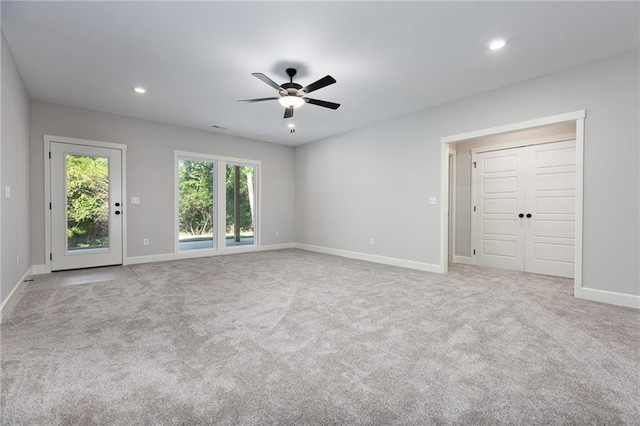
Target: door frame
(445, 142)
(47, 140)
(451, 250)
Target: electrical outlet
(277, 233)
(433, 200)
(145, 242)
(373, 241)
(7, 191)
(135, 200)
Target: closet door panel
(499, 199)
(550, 199)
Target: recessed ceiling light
(139, 89)
(497, 44)
(291, 125)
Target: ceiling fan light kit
(291, 101)
(292, 95)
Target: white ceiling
(389, 58)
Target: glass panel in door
(87, 194)
(196, 205)
(240, 180)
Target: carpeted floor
(293, 337)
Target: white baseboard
(134, 260)
(428, 267)
(192, 254)
(610, 297)
(463, 259)
(10, 302)
(277, 247)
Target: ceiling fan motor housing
(291, 87)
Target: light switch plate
(433, 200)
(7, 191)
(135, 200)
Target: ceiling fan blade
(267, 80)
(325, 104)
(288, 112)
(323, 82)
(257, 100)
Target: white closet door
(551, 201)
(500, 198)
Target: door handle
(117, 212)
(117, 204)
(528, 214)
(521, 215)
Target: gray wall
(15, 233)
(375, 182)
(150, 173)
(372, 183)
(463, 196)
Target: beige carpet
(292, 337)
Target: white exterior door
(525, 208)
(86, 206)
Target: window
(216, 202)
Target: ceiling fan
(292, 95)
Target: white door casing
(62, 257)
(452, 205)
(525, 208)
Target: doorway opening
(457, 244)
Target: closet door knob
(528, 214)
(521, 215)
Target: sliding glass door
(216, 202)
